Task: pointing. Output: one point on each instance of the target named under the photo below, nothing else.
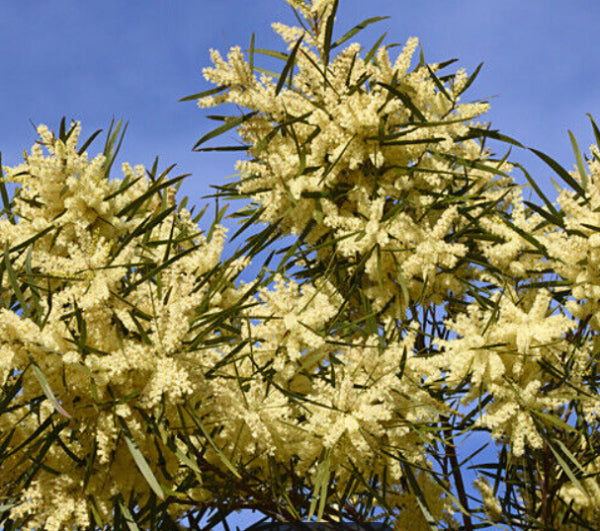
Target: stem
(457, 474)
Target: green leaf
(87, 143)
(560, 171)
(439, 84)
(263, 142)
(356, 29)
(595, 129)
(132, 207)
(469, 163)
(405, 99)
(289, 65)
(204, 93)
(579, 159)
(47, 389)
(373, 50)
(111, 147)
(538, 190)
(494, 134)
(218, 217)
(329, 33)
(251, 53)
(421, 501)
(320, 489)
(554, 219)
(15, 284)
(217, 450)
(472, 78)
(62, 129)
(6, 508)
(564, 465)
(5, 200)
(272, 53)
(231, 124)
(128, 516)
(141, 462)
(412, 142)
(145, 226)
(225, 148)
(333, 164)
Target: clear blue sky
(92, 60)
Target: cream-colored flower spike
(368, 160)
(126, 342)
(111, 287)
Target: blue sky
(92, 60)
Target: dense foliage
(413, 304)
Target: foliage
(422, 306)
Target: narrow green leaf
(62, 129)
(320, 489)
(373, 50)
(95, 512)
(145, 226)
(356, 29)
(421, 57)
(204, 93)
(412, 142)
(472, 78)
(538, 190)
(405, 99)
(5, 200)
(554, 219)
(494, 134)
(272, 53)
(87, 143)
(469, 163)
(421, 501)
(35, 296)
(218, 217)
(579, 159)
(289, 65)
(217, 117)
(128, 516)
(251, 53)
(263, 142)
(323, 492)
(15, 284)
(333, 164)
(132, 207)
(141, 462)
(225, 148)
(564, 466)
(444, 64)
(124, 186)
(595, 129)
(560, 171)
(223, 128)
(112, 147)
(439, 84)
(6, 508)
(329, 33)
(217, 450)
(48, 390)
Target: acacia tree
(421, 303)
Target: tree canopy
(410, 303)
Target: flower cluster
(108, 291)
(110, 335)
(141, 377)
(311, 403)
(372, 163)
